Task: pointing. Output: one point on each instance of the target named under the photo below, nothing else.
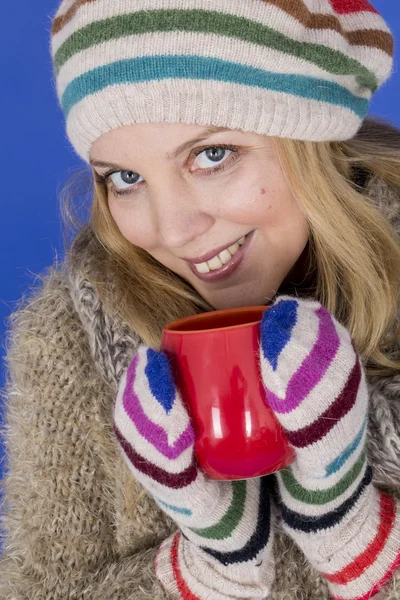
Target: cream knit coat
(76, 526)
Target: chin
(240, 301)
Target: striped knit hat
(303, 69)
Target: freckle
(262, 191)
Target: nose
(180, 215)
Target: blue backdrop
(36, 157)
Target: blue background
(36, 157)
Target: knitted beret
(303, 69)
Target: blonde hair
(354, 248)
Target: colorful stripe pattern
(121, 53)
(178, 565)
(226, 526)
(315, 383)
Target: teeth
(224, 256)
(221, 259)
(215, 263)
(234, 248)
(202, 267)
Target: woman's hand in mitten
(224, 546)
(316, 385)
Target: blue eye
(214, 154)
(128, 177)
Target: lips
(208, 255)
(227, 269)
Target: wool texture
(303, 70)
(315, 383)
(224, 548)
(76, 524)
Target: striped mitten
(316, 385)
(223, 548)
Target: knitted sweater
(76, 524)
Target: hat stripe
(334, 61)
(299, 10)
(150, 68)
(181, 42)
(347, 6)
(62, 20)
(211, 22)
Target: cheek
(130, 224)
(275, 211)
(247, 202)
(264, 203)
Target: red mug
(214, 360)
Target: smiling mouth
(233, 261)
(220, 259)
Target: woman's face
(180, 206)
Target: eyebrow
(172, 156)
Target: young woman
(232, 165)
